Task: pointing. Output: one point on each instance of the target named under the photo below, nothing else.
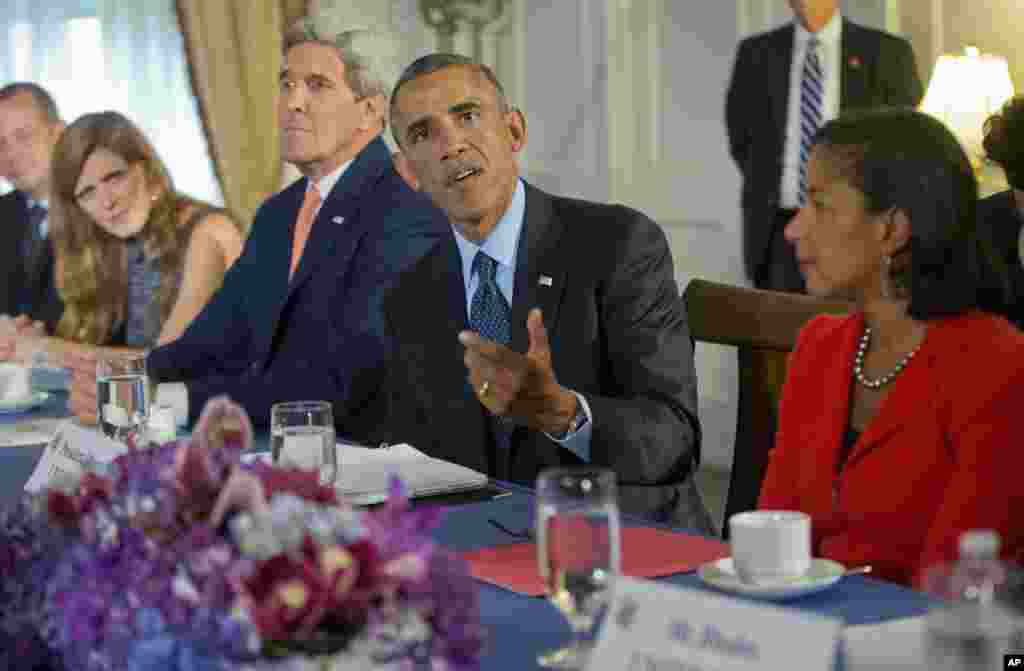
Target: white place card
(656, 627)
(72, 450)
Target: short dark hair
(1004, 140)
(431, 63)
(902, 159)
(44, 101)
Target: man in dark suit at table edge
(861, 68)
(597, 362)
(29, 128)
(299, 312)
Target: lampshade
(964, 90)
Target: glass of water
(578, 551)
(302, 436)
(122, 395)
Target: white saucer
(13, 406)
(720, 574)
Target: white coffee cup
(14, 383)
(770, 545)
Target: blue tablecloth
(520, 626)
(16, 463)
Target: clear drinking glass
(302, 436)
(578, 551)
(122, 395)
(979, 616)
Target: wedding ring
(484, 388)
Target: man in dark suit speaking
(785, 83)
(299, 312)
(540, 331)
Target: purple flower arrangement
(182, 557)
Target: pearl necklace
(858, 364)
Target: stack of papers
(364, 473)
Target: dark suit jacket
(877, 70)
(262, 338)
(999, 222)
(618, 336)
(23, 281)
(939, 457)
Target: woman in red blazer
(900, 425)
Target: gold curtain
(234, 56)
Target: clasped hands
(519, 387)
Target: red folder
(647, 552)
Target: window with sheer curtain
(124, 55)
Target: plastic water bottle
(977, 623)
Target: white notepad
(364, 473)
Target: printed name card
(72, 450)
(656, 627)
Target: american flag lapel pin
(854, 62)
(338, 220)
(544, 281)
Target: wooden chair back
(762, 326)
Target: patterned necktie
(812, 93)
(489, 314)
(304, 224)
(31, 253)
(34, 233)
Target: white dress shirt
(829, 56)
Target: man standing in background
(785, 84)
(29, 128)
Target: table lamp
(964, 90)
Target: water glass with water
(578, 551)
(302, 436)
(979, 616)
(122, 395)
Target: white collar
(327, 182)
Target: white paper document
(654, 626)
(72, 450)
(364, 473)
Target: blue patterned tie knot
(489, 313)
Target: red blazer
(944, 453)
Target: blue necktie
(34, 234)
(31, 252)
(812, 93)
(490, 316)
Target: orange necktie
(304, 224)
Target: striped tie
(811, 97)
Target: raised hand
(519, 387)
